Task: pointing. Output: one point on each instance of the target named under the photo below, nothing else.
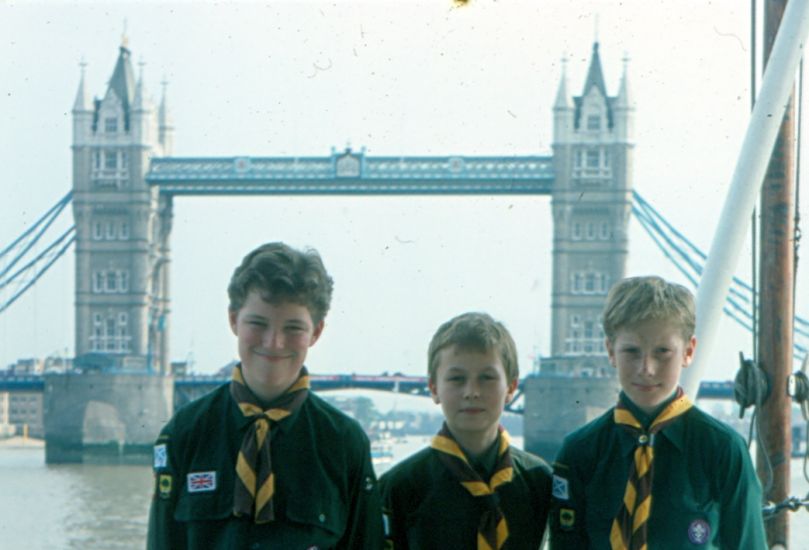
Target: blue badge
(560, 487)
(699, 531)
(160, 456)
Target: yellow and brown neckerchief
(492, 528)
(630, 527)
(255, 482)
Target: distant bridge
(190, 387)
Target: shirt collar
(674, 432)
(243, 421)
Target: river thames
(93, 507)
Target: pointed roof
(164, 118)
(562, 99)
(625, 97)
(595, 76)
(82, 102)
(123, 81)
(139, 102)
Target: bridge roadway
(189, 387)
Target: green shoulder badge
(567, 518)
(164, 485)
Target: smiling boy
(262, 462)
(470, 488)
(654, 471)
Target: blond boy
(654, 471)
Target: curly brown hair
(281, 273)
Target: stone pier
(557, 405)
(104, 417)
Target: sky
(397, 78)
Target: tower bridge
(124, 182)
(190, 387)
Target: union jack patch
(201, 482)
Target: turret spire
(138, 103)
(165, 124)
(164, 117)
(562, 97)
(625, 98)
(82, 102)
(595, 76)
(122, 82)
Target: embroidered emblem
(201, 482)
(560, 489)
(699, 531)
(567, 518)
(160, 456)
(369, 484)
(164, 485)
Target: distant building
(27, 366)
(180, 368)
(34, 366)
(6, 429)
(21, 411)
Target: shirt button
(322, 518)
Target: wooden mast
(776, 269)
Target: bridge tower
(122, 226)
(112, 410)
(591, 204)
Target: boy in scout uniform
(470, 489)
(262, 462)
(654, 471)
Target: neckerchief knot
(492, 527)
(255, 482)
(630, 527)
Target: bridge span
(192, 386)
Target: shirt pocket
(208, 503)
(203, 506)
(687, 520)
(319, 512)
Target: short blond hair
(635, 300)
(474, 331)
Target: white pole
(765, 121)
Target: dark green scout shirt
(426, 507)
(325, 488)
(705, 493)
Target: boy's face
(273, 342)
(472, 389)
(649, 358)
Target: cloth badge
(164, 485)
(160, 456)
(201, 482)
(560, 487)
(567, 518)
(699, 531)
